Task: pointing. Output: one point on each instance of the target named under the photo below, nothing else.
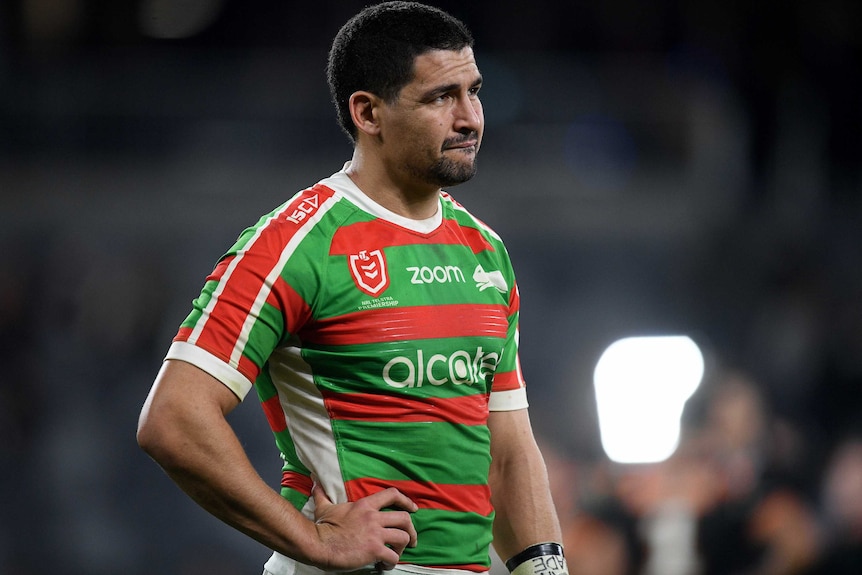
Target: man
(377, 321)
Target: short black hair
(376, 49)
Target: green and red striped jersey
(377, 345)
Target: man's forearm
(247, 504)
(525, 512)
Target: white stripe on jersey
(309, 422)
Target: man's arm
(183, 427)
(520, 491)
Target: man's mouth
(462, 144)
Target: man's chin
(452, 175)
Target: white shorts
(284, 566)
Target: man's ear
(365, 113)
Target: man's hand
(360, 533)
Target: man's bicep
(510, 431)
(182, 397)
(180, 382)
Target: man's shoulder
(316, 206)
(465, 217)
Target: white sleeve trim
(508, 400)
(211, 364)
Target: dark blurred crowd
(745, 493)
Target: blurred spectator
(842, 511)
(597, 532)
(761, 521)
(597, 544)
(602, 537)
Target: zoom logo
(460, 368)
(437, 274)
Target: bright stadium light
(642, 384)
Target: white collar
(341, 182)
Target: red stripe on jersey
(232, 306)
(475, 239)
(297, 481)
(475, 567)
(442, 496)
(248, 368)
(274, 414)
(353, 238)
(466, 410)
(183, 334)
(406, 323)
(514, 299)
(508, 380)
(295, 309)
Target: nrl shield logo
(369, 271)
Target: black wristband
(533, 551)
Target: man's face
(430, 135)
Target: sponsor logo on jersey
(459, 368)
(368, 269)
(304, 209)
(492, 279)
(437, 274)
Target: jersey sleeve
(509, 388)
(248, 306)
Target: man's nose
(468, 114)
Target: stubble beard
(451, 172)
(447, 173)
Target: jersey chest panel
(422, 315)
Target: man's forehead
(436, 65)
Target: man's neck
(415, 203)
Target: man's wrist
(539, 559)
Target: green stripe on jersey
(268, 328)
(438, 547)
(296, 498)
(399, 451)
(199, 303)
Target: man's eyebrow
(446, 88)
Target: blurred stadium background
(655, 167)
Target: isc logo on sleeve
(303, 209)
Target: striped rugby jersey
(377, 345)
